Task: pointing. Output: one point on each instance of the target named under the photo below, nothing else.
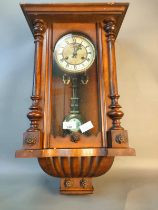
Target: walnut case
(75, 162)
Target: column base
(76, 186)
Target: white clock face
(74, 53)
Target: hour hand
(76, 48)
(74, 55)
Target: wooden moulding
(85, 152)
(91, 141)
(81, 12)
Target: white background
(131, 184)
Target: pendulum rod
(74, 98)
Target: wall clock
(75, 130)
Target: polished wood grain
(37, 153)
(75, 167)
(32, 153)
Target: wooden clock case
(75, 162)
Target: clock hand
(76, 48)
(74, 52)
(79, 47)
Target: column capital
(110, 29)
(39, 28)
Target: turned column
(32, 137)
(36, 113)
(116, 134)
(115, 113)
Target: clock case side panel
(42, 135)
(94, 90)
(47, 86)
(34, 137)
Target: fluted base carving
(75, 167)
(76, 172)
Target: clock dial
(74, 53)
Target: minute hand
(76, 48)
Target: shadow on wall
(118, 190)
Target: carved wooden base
(76, 186)
(76, 167)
